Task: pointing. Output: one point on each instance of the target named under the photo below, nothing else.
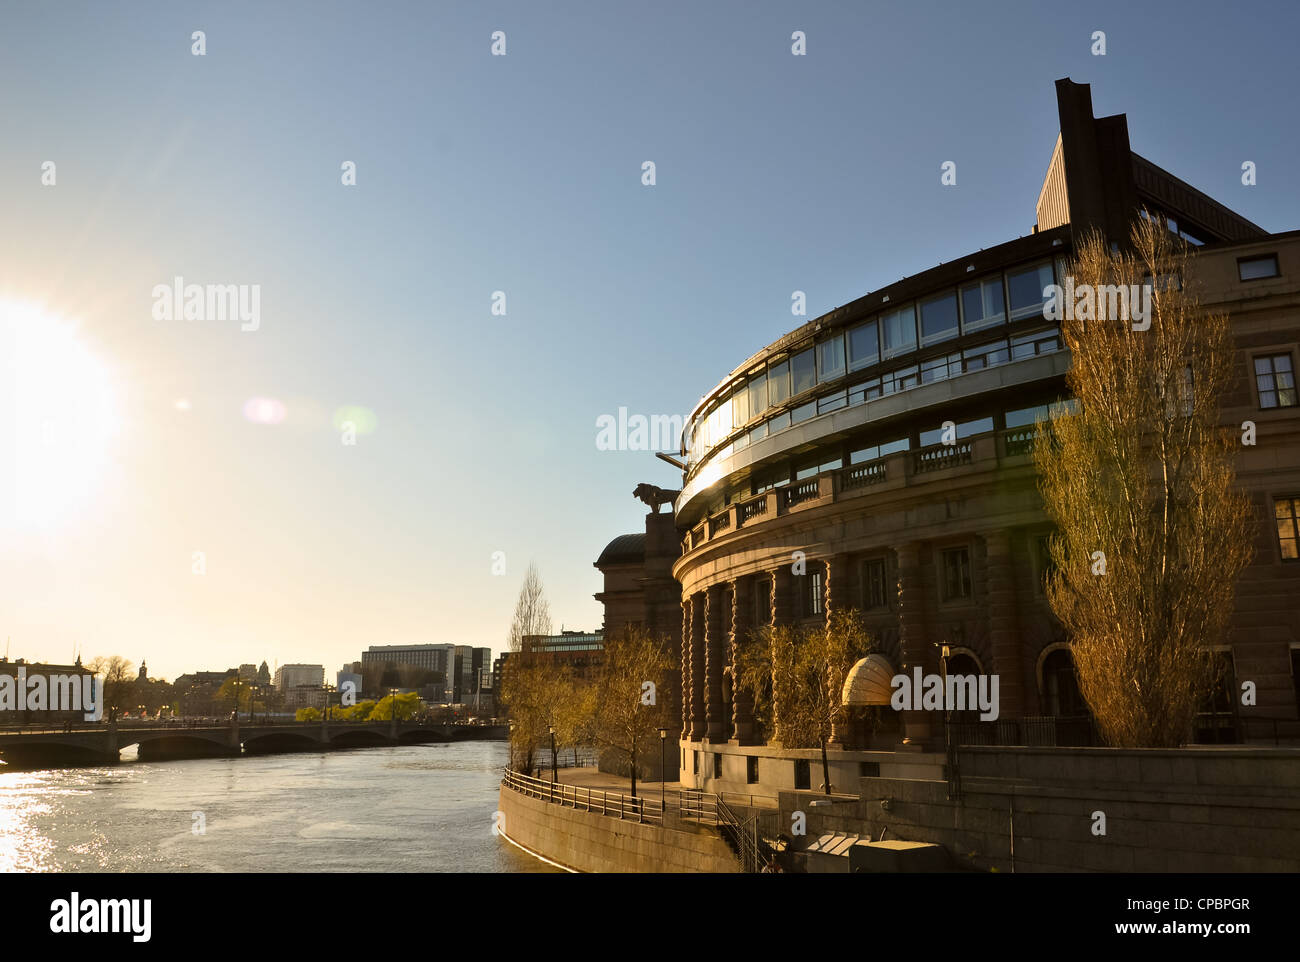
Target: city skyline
(477, 433)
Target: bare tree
(1139, 480)
(532, 613)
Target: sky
(148, 509)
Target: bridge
(101, 744)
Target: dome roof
(868, 682)
(625, 549)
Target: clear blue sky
(522, 174)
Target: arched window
(1061, 686)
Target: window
(812, 592)
(830, 359)
(832, 402)
(898, 332)
(1027, 417)
(1026, 291)
(803, 412)
(1287, 511)
(778, 423)
(717, 766)
(740, 406)
(1037, 342)
(1043, 561)
(751, 769)
(868, 769)
(758, 433)
(963, 430)
(956, 574)
(986, 355)
(1061, 687)
(873, 584)
(778, 382)
(695, 762)
(981, 305)
(940, 368)
(900, 380)
(804, 369)
(1275, 381)
(802, 773)
(864, 346)
(938, 319)
(866, 391)
(1295, 672)
(763, 603)
(757, 388)
(893, 447)
(1257, 268)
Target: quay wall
(591, 842)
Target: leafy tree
(795, 674)
(631, 693)
(408, 706)
(1139, 481)
(118, 678)
(536, 693)
(308, 714)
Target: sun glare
(63, 413)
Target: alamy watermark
(919, 692)
(209, 302)
(658, 432)
(1085, 302)
(52, 692)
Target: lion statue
(654, 496)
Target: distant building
(196, 692)
(435, 658)
(288, 677)
(348, 676)
(13, 716)
(248, 673)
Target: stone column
(913, 638)
(715, 628)
(1004, 625)
(783, 598)
(742, 628)
(684, 667)
(697, 667)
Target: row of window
(1014, 295)
(858, 452)
(802, 768)
(1003, 351)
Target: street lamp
(551, 729)
(252, 701)
(663, 771)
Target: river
(412, 808)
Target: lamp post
(252, 701)
(554, 772)
(663, 772)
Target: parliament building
(815, 479)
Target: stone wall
(592, 842)
(1186, 810)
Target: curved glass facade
(882, 355)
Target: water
(413, 808)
